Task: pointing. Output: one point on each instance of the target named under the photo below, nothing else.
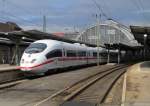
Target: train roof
(59, 43)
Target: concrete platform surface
(5, 67)
(138, 85)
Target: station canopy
(122, 46)
(32, 35)
(139, 31)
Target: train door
(88, 57)
(60, 62)
(54, 55)
(59, 59)
(92, 59)
(63, 57)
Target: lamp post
(145, 38)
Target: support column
(9, 54)
(17, 51)
(17, 54)
(108, 56)
(119, 56)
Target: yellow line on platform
(124, 90)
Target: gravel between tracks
(33, 91)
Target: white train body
(44, 55)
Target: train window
(81, 53)
(54, 53)
(71, 53)
(36, 48)
(88, 54)
(64, 52)
(94, 54)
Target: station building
(114, 36)
(111, 35)
(110, 32)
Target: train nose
(31, 61)
(31, 64)
(22, 61)
(27, 64)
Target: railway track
(75, 92)
(10, 77)
(16, 80)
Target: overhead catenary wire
(138, 4)
(100, 9)
(103, 13)
(107, 7)
(108, 17)
(109, 11)
(141, 4)
(143, 8)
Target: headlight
(22, 60)
(33, 60)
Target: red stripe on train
(60, 59)
(46, 62)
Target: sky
(68, 15)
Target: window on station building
(54, 53)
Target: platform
(138, 85)
(7, 67)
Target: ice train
(44, 55)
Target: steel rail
(83, 87)
(89, 83)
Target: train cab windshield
(36, 48)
